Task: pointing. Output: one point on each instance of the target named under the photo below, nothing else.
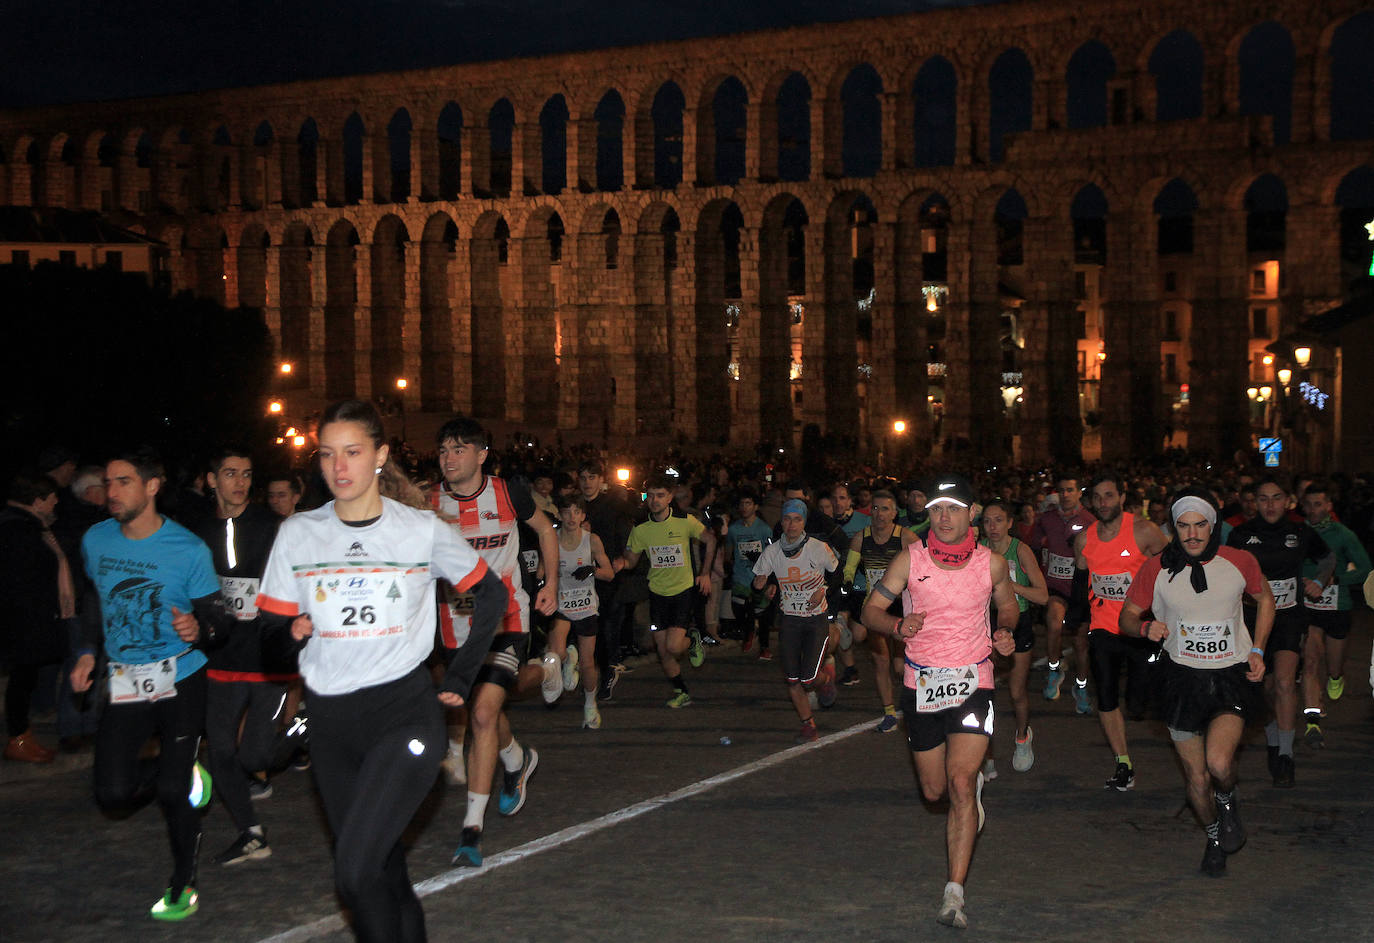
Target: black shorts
(1075, 613)
(584, 627)
(1107, 654)
(1024, 633)
(671, 612)
(928, 731)
(504, 658)
(801, 646)
(1290, 629)
(1335, 623)
(1191, 697)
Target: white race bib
(530, 558)
(1111, 586)
(796, 601)
(1328, 600)
(939, 689)
(361, 607)
(575, 602)
(666, 557)
(154, 681)
(1057, 567)
(746, 547)
(1285, 593)
(240, 596)
(1206, 645)
(873, 577)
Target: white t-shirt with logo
(368, 590)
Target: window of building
(1082, 324)
(1170, 324)
(1259, 322)
(114, 260)
(1080, 285)
(1257, 281)
(1171, 281)
(20, 257)
(1171, 368)
(1082, 364)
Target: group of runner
(207, 634)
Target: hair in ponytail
(391, 480)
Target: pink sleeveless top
(957, 631)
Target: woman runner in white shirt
(354, 581)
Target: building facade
(988, 223)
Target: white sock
(256, 830)
(455, 748)
(956, 889)
(512, 757)
(588, 698)
(477, 810)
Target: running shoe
(710, 641)
(620, 667)
(952, 910)
(170, 909)
(1122, 779)
(850, 676)
(469, 853)
(591, 717)
(765, 655)
(1023, 757)
(807, 734)
(748, 641)
(300, 762)
(989, 769)
(454, 769)
(978, 800)
(1284, 771)
(826, 692)
(512, 798)
(887, 724)
(607, 686)
(1080, 699)
(696, 652)
(1214, 860)
(1313, 737)
(247, 847)
(1231, 833)
(1335, 687)
(1273, 758)
(1052, 683)
(552, 685)
(201, 787)
(571, 673)
(259, 788)
(680, 699)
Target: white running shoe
(1023, 758)
(978, 799)
(552, 685)
(455, 770)
(571, 674)
(952, 909)
(989, 769)
(591, 717)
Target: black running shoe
(1231, 834)
(1122, 779)
(1284, 772)
(1274, 763)
(1214, 860)
(247, 847)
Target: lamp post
(401, 384)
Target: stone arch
(1264, 199)
(500, 149)
(553, 145)
(295, 276)
(1177, 64)
(1174, 205)
(1010, 217)
(722, 124)
(390, 241)
(854, 122)
(398, 138)
(1088, 216)
(656, 319)
(1010, 103)
(342, 357)
(659, 137)
(1354, 198)
(934, 109)
(782, 313)
(841, 338)
(207, 242)
(487, 251)
(305, 159)
(609, 156)
(1262, 63)
(439, 343)
(253, 244)
(353, 140)
(449, 130)
(1086, 77)
(542, 294)
(1352, 67)
(717, 272)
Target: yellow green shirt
(668, 544)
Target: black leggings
(18, 697)
(745, 617)
(123, 782)
(375, 754)
(231, 760)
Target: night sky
(54, 51)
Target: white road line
(446, 879)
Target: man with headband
(947, 685)
(799, 564)
(1194, 592)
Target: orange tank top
(1111, 567)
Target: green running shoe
(201, 786)
(680, 699)
(696, 654)
(1335, 687)
(181, 908)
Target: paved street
(652, 829)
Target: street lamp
(1303, 355)
(285, 368)
(274, 407)
(899, 426)
(622, 475)
(1285, 375)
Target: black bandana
(1174, 558)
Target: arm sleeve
(851, 565)
(277, 594)
(489, 599)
